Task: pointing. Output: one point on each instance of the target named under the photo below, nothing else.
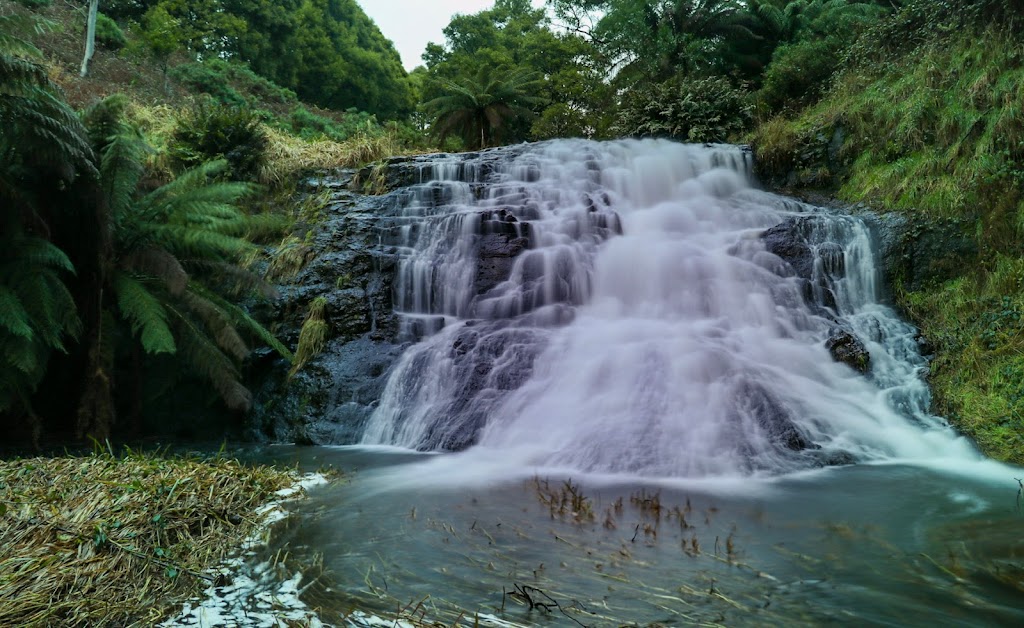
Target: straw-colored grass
(312, 337)
(103, 541)
(288, 155)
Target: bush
(693, 110)
(799, 73)
(231, 83)
(34, 4)
(309, 125)
(109, 34)
(918, 21)
(212, 132)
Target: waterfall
(612, 307)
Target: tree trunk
(90, 36)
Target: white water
(679, 348)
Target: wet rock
(789, 241)
(847, 348)
(921, 252)
(496, 256)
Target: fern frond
(23, 355)
(145, 313)
(121, 170)
(13, 316)
(218, 324)
(210, 362)
(187, 242)
(242, 319)
(158, 263)
(32, 252)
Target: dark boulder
(848, 349)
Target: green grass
(977, 326)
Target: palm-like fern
(42, 128)
(42, 145)
(476, 109)
(37, 313)
(165, 250)
(790, 20)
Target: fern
(241, 318)
(13, 315)
(37, 313)
(145, 313)
(209, 361)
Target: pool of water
(440, 537)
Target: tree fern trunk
(90, 36)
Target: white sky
(411, 24)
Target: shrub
(210, 132)
(799, 73)
(694, 110)
(109, 34)
(34, 4)
(309, 125)
(230, 83)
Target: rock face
(917, 252)
(353, 248)
(790, 240)
(327, 400)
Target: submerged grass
(87, 541)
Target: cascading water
(611, 307)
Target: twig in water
(530, 595)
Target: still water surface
(890, 544)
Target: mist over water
(610, 308)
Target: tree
(572, 97)
(327, 51)
(90, 36)
(808, 40)
(478, 109)
(164, 256)
(43, 151)
(657, 39)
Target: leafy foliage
(109, 34)
(168, 252)
(693, 110)
(37, 313)
(42, 145)
(567, 73)
(478, 109)
(231, 133)
(231, 83)
(328, 51)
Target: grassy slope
(159, 102)
(937, 134)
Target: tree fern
(144, 312)
(203, 355)
(168, 249)
(37, 313)
(43, 146)
(476, 109)
(240, 318)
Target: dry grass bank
(120, 541)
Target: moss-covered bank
(91, 541)
(935, 131)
